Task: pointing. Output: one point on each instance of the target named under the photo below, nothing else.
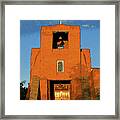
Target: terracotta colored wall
(96, 77)
(77, 63)
(95, 82)
(44, 60)
(85, 62)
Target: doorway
(60, 89)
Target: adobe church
(60, 69)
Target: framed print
(60, 60)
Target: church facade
(60, 69)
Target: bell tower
(52, 65)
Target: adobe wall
(77, 64)
(44, 60)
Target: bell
(60, 38)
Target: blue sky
(30, 38)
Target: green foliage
(23, 90)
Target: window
(60, 40)
(60, 66)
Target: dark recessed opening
(59, 39)
(60, 83)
